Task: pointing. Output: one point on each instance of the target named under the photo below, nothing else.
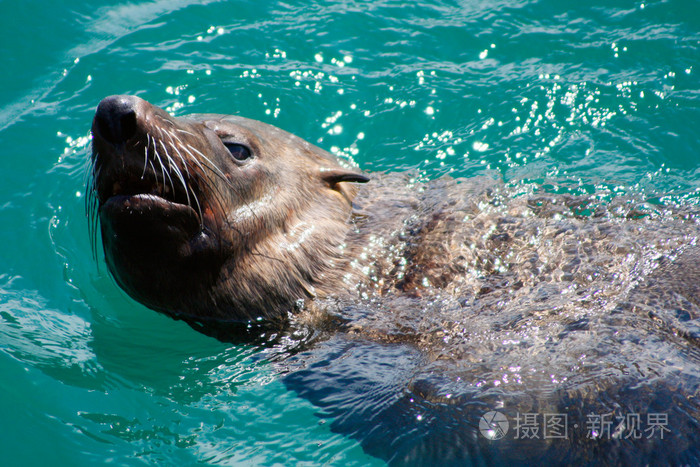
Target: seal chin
(153, 244)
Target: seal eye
(238, 151)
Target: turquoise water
(576, 97)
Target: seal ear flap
(337, 175)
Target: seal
(455, 297)
(216, 217)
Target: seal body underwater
(455, 297)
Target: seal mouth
(147, 209)
(148, 199)
(147, 191)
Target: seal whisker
(145, 155)
(179, 172)
(176, 150)
(94, 169)
(199, 209)
(164, 120)
(150, 161)
(186, 147)
(159, 130)
(160, 161)
(170, 164)
(155, 173)
(89, 178)
(191, 156)
(164, 145)
(163, 170)
(180, 177)
(92, 222)
(145, 162)
(184, 131)
(214, 166)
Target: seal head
(216, 217)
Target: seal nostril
(115, 118)
(128, 125)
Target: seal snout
(115, 118)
